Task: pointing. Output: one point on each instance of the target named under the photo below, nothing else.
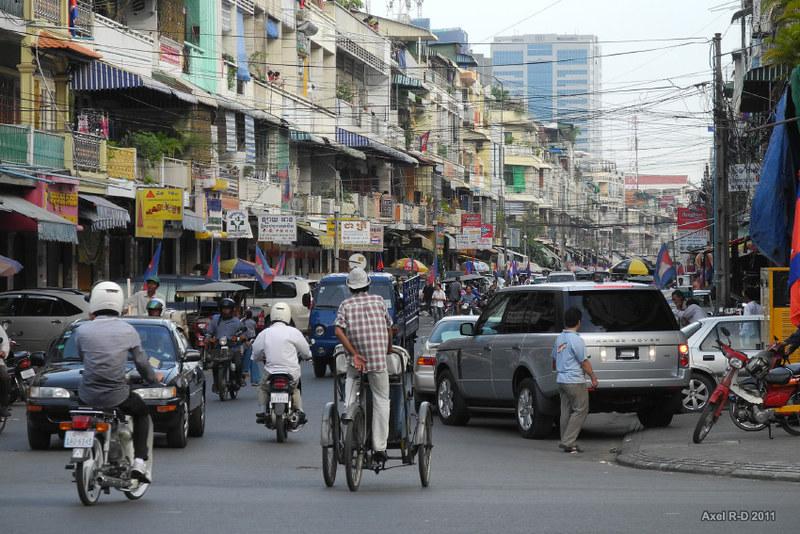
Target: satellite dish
(358, 260)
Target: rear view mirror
(5, 324)
(192, 355)
(467, 329)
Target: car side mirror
(192, 355)
(467, 329)
(307, 300)
(38, 359)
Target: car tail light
(426, 360)
(683, 361)
(81, 422)
(280, 383)
(24, 363)
(683, 348)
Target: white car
(293, 290)
(707, 362)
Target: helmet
(280, 311)
(106, 296)
(153, 278)
(227, 303)
(155, 304)
(357, 279)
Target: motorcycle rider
(155, 308)
(104, 344)
(226, 324)
(281, 347)
(5, 380)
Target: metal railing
(48, 10)
(84, 24)
(14, 143)
(12, 7)
(48, 149)
(176, 173)
(87, 151)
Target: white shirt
(139, 300)
(5, 344)
(753, 308)
(438, 298)
(279, 347)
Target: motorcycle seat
(794, 367)
(779, 376)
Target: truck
(402, 300)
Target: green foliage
(351, 4)
(344, 91)
(152, 146)
(785, 45)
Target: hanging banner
(281, 229)
(162, 204)
(743, 177)
(146, 226)
(694, 218)
(213, 212)
(230, 131)
(237, 224)
(470, 220)
(249, 140)
(355, 232)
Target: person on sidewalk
(569, 359)
(454, 294)
(427, 297)
(439, 299)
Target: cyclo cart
(346, 433)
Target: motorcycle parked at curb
(770, 396)
(280, 414)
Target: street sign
(237, 224)
(743, 177)
(689, 240)
(281, 229)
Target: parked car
(177, 409)
(702, 296)
(424, 381)
(38, 316)
(505, 359)
(293, 290)
(561, 276)
(707, 362)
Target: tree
(351, 4)
(785, 44)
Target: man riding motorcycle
(281, 347)
(155, 308)
(104, 344)
(226, 324)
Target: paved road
(485, 478)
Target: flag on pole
(281, 267)
(665, 269)
(433, 274)
(469, 267)
(379, 267)
(264, 272)
(152, 267)
(213, 269)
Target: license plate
(27, 373)
(276, 398)
(74, 439)
(628, 354)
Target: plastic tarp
(273, 28)
(772, 212)
(243, 69)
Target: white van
(293, 290)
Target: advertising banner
(280, 229)
(146, 226)
(237, 224)
(693, 218)
(354, 232)
(470, 220)
(689, 240)
(162, 204)
(213, 212)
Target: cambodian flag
(152, 267)
(433, 274)
(379, 267)
(213, 269)
(469, 267)
(281, 265)
(665, 270)
(263, 270)
(794, 266)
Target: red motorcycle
(771, 394)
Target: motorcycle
(224, 366)
(280, 414)
(770, 396)
(21, 372)
(102, 453)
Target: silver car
(38, 316)
(424, 381)
(707, 362)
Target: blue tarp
(773, 204)
(243, 70)
(273, 28)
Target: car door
(474, 359)
(745, 336)
(35, 325)
(191, 372)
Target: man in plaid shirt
(364, 328)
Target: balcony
(121, 163)
(84, 25)
(176, 173)
(49, 10)
(26, 146)
(349, 114)
(12, 7)
(123, 46)
(87, 149)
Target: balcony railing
(176, 173)
(49, 10)
(48, 149)
(84, 25)
(12, 7)
(14, 143)
(87, 151)
(121, 163)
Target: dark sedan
(177, 409)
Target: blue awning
(99, 76)
(273, 28)
(359, 141)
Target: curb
(630, 456)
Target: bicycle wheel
(354, 449)
(707, 419)
(424, 451)
(330, 460)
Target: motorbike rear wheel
(280, 428)
(747, 425)
(88, 488)
(707, 420)
(354, 449)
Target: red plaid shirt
(366, 321)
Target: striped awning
(99, 76)
(103, 214)
(359, 141)
(406, 81)
(299, 136)
(50, 227)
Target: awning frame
(106, 215)
(50, 227)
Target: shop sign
(146, 226)
(689, 240)
(162, 204)
(237, 224)
(354, 232)
(281, 229)
(470, 220)
(693, 218)
(213, 212)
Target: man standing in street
(364, 328)
(569, 358)
(439, 298)
(454, 294)
(427, 297)
(137, 303)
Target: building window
(540, 50)
(507, 58)
(572, 57)
(563, 73)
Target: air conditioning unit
(314, 205)
(328, 206)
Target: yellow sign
(162, 204)
(331, 227)
(146, 226)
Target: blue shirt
(569, 351)
(220, 327)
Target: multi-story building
(558, 77)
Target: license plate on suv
(627, 353)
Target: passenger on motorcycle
(155, 308)
(105, 344)
(281, 347)
(5, 380)
(226, 324)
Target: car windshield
(446, 330)
(331, 295)
(691, 329)
(623, 311)
(156, 342)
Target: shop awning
(49, 41)
(193, 221)
(299, 136)
(406, 81)
(359, 141)
(103, 214)
(50, 226)
(99, 76)
(426, 242)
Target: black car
(178, 410)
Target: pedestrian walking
(569, 358)
(454, 294)
(427, 297)
(439, 299)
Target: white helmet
(357, 279)
(106, 296)
(280, 311)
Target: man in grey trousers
(569, 358)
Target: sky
(656, 87)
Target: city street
(485, 477)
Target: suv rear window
(622, 311)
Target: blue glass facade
(507, 57)
(540, 91)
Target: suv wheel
(37, 439)
(696, 394)
(320, 366)
(452, 408)
(532, 424)
(655, 417)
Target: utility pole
(721, 238)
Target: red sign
(170, 54)
(487, 231)
(470, 220)
(692, 219)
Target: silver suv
(38, 316)
(505, 360)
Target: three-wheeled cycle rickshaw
(346, 430)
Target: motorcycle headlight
(156, 393)
(319, 330)
(40, 392)
(736, 363)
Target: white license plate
(74, 439)
(279, 397)
(27, 373)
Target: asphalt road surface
(485, 478)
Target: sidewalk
(726, 451)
